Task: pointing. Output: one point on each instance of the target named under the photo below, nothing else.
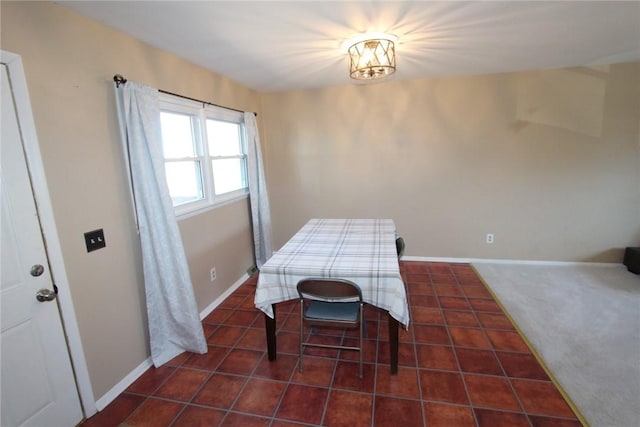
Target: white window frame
(201, 112)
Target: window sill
(225, 201)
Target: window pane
(228, 175)
(223, 138)
(177, 135)
(183, 179)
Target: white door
(38, 386)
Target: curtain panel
(260, 212)
(174, 321)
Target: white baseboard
(504, 261)
(123, 384)
(204, 313)
(435, 259)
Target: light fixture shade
(372, 59)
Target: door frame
(47, 222)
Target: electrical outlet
(213, 274)
(489, 238)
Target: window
(226, 151)
(204, 154)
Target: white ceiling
(273, 46)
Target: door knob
(37, 270)
(44, 295)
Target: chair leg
(361, 341)
(301, 335)
(364, 325)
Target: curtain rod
(119, 79)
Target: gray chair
(333, 303)
(400, 246)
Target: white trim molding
(204, 313)
(122, 385)
(502, 261)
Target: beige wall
(547, 161)
(69, 63)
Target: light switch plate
(94, 240)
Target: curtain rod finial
(119, 79)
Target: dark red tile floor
(461, 363)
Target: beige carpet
(584, 322)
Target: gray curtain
(260, 213)
(174, 321)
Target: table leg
(270, 328)
(393, 345)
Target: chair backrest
(329, 289)
(400, 246)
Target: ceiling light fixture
(372, 58)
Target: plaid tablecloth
(360, 250)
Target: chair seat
(345, 312)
